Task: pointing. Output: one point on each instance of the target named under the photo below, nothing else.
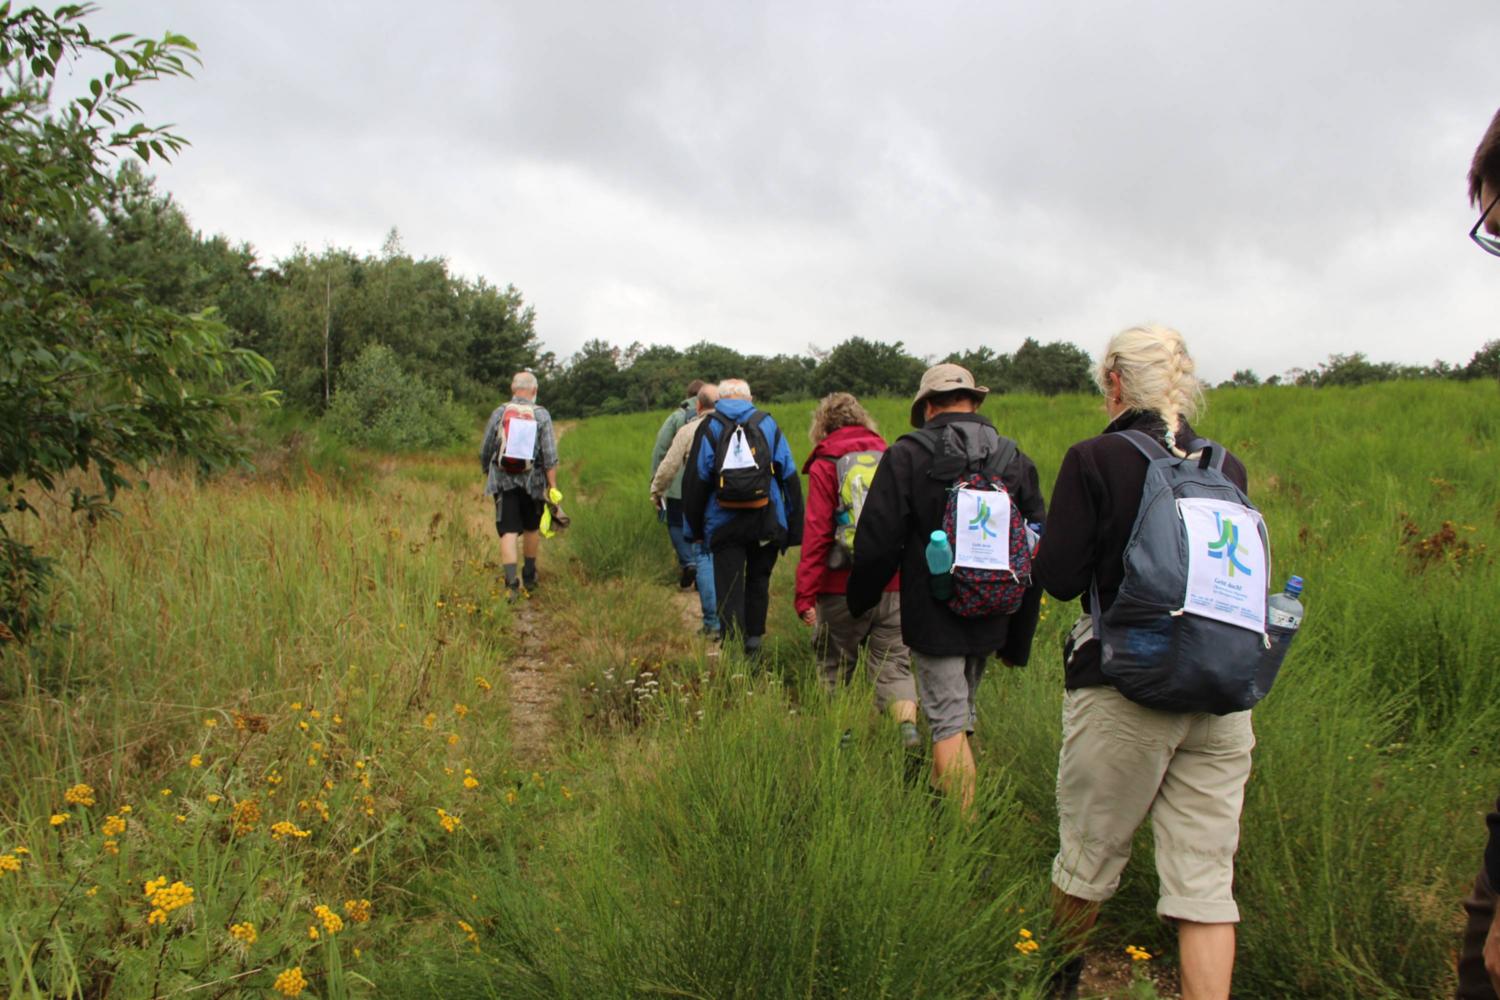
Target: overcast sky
(1279, 180)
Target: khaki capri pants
(839, 636)
(1121, 762)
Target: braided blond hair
(1156, 374)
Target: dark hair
(942, 400)
(1486, 167)
(694, 386)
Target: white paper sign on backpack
(738, 454)
(1227, 562)
(981, 529)
(520, 439)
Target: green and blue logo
(1228, 546)
(981, 521)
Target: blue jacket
(704, 519)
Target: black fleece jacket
(1094, 506)
(904, 507)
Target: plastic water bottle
(1284, 613)
(940, 566)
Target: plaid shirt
(533, 482)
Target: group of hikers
(931, 555)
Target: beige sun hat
(944, 378)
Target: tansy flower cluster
(1027, 944)
(166, 898)
(332, 922)
(1137, 954)
(358, 910)
(290, 983)
(449, 821)
(246, 815)
(79, 795)
(9, 863)
(244, 932)
(286, 829)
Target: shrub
(379, 405)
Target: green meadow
(294, 692)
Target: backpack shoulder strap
(1146, 445)
(1002, 456)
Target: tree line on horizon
(452, 341)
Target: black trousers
(742, 578)
(1473, 980)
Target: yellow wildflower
(58, 819)
(358, 910)
(453, 739)
(92, 891)
(332, 922)
(296, 706)
(286, 829)
(243, 932)
(1026, 945)
(111, 847)
(312, 932)
(113, 826)
(469, 931)
(210, 723)
(449, 821)
(1137, 954)
(166, 898)
(290, 983)
(314, 713)
(482, 684)
(460, 709)
(124, 809)
(510, 797)
(166, 793)
(215, 798)
(9, 863)
(196, 760)
(180, 818)
(79, 795)
(429, 720)
(19, 850)
(471, 782)
(246, 815)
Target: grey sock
(510, 575)
(911, 738)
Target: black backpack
(743, 467)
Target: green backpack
(853, 472)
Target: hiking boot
(512, 592)
(1065, 981)
(689, 577)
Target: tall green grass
(1376, 753)
(699, 830)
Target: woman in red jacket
(846, 447)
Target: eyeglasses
(1487, 242)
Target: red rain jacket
(813, 575)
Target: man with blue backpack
(958, 487)
(742, 496)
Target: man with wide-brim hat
(945, 383)
(905, 505)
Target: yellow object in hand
(554, 495)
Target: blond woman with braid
(1121, 762)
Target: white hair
(523, 383)
(734, 388)
(1156, 375)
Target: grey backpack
(1153, 647)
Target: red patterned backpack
(972, 460)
